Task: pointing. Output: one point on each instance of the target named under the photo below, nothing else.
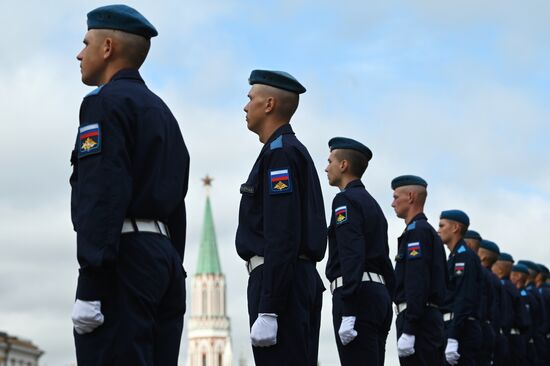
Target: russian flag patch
(89, 137)
(280, 181)
(459, 268)
(341, 214)
(414, 250)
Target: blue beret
(346, 143)
(489, 245)
(531, 265)
(505, 257)
(408, 180)
(456, 215)
(121, 17)
(520, 268)
(543, 269)
(277, 79)
(472, 234)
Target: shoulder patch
(459, 268)
(94, 92)
(89, 139)
(280, 181)
(414, 250)
(341, 214)
(277, 143)
(411, 226)
(461, 249)
(523, 293)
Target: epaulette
(461, 249)
(411, 226)
(94, 92)
(277, 143)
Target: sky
(456, 92)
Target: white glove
(405, 345)
(451, 351)
(346, 331)
(87, 316)
(264, 330)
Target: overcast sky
(456, 92)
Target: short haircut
(463, 228)
(133, 48)
(288, 103)
(358, 162)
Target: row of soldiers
(475, 307)
(129, 182)
(515, 309)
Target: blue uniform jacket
(518, 312)
(530, 303)
(420, 271)
(539, 313)
(129, 160)
(493, 305)
(358, 242)
(281, 215)
(463, 295)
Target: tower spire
(209, 261)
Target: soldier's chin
(88, 81)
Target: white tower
(209, 328)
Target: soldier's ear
(411, 196)
(344, 165)
(270, 104)
(107, 47)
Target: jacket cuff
(93, 283)
(349, 308)
(409, 327)
(271, 305)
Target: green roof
(209, 261)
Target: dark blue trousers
(143, 307)
(532, 356)
(372, 324)
(300, 323)
(488, 341)
(469, 341)
(518, 349)
(429, 339)
(502, 355)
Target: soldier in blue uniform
(421, 277)
(544, 291)
(488, 305)
(539, 312)
(282, 229)
(358, 267)
(462, 304)
(519, 276)
(488, 253)
(129, 181)
(514, 317)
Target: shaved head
(420, 193)
(409, 200)
(286, 102)
(132, 48)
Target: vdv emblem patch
(341, 214)
(414, 250)
(89, 138)
(280, 181)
